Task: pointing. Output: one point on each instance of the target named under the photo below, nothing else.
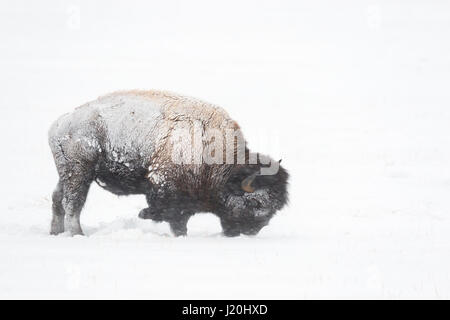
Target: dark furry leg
(150, 213)
(153, 212)
(57, 224)
(176, 219)
(230, 228)
(178, 223)
(162, 209)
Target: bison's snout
(254, 228)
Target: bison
(159, 144)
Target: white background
(352, 95)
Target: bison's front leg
(151, 214)
(167, 209)
(176, 218)
(178, 222)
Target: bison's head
(251, 197)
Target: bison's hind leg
(75, 193)
(57, 225)
(75, 162)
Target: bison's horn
(246, 184)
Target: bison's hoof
(231, 233)
(56, 229)
(182, 232)
(74, 233)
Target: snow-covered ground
(353, 96)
